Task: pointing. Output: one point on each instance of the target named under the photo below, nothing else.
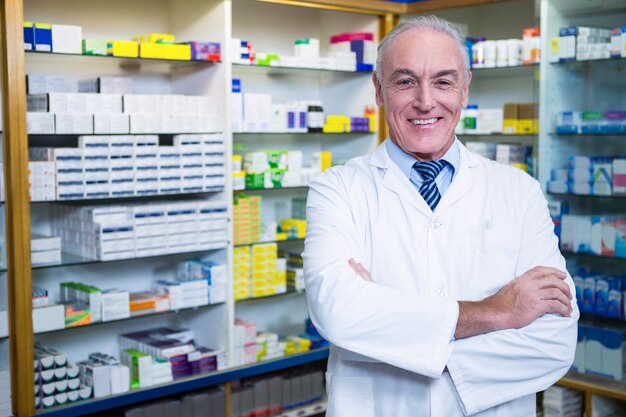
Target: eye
(404, 84)
(444, 84)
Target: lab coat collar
(400, 184)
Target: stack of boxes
(266, 278)
(104, 374)
(601, 351)
(347, 52)
(147, 302)
(562, 402)
(200, 404)
(117, 166)
(46, 316)
(259, 272)
(362, 45)
(102, 113)
(247, 219)
(156, 356)
(42, 181)
(274, 169)
(521, 118)
(242, 272)
(45, 250)
(251, 347)
(244, 343)
(269, 347)
(57, 382)
(277, 394)
(596, 235)
(295, 272)
(600, 295)
(197, 283)
(591, 122)
(122, 232)
(256, 112)
(66, 39)
(60, 39)
(590, 175)
(578, 43)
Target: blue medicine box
(43, 37)
(29, 36)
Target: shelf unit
(184, 385)
(190, 19)
(598, 91)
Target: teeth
(424, 121)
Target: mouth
(424, 122)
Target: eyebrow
(405, 71)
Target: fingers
(555, 283)
(539, 272)
(557, 307)
(554, 294)
(360, 270)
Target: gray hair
(424, 22)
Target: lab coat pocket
(350, 396)
(495, 258)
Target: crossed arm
(533, 294)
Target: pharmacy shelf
(151, 197)
(270, 298)
(255, 190)
(588, 135)
(498, 135)
(594, 385)
(292, 70)
(584, 196)
(269, 241)
(590, 62)
(592, 256)
(123, 61)
(305, 411)
(74, 260)
(509, 71)
(591, 319)
(300, 133)
(184, 385)
(160, 313)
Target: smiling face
(423, 90)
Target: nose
(424, 99)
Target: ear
(378, 87)
(466, 90)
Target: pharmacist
(434, 273)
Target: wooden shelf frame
(15, 148)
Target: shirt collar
(405, 162)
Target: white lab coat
(391, 339)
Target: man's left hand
(360, 270)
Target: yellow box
(159, 38)
(338, 119)
(299, 224)
(372, 122)
(165, 51)
(281, 236)
(126, 49)
(333, 128)
(526, 126)
(510, 126)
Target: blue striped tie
(429, 171)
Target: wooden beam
(434, 5)
(385, 24)
(377, 7)
(15, 146)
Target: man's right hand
(539, 291)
